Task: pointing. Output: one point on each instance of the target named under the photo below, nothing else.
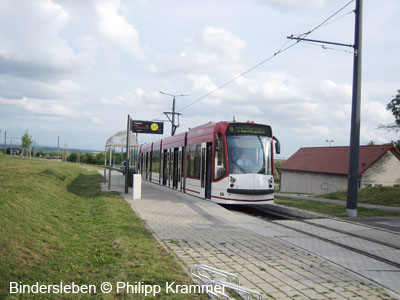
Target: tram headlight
(232, 181)
(270, 182)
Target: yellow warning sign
(154, 127)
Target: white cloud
(117, 29)
(213, 50)
(33, 48)
(334, 91)
(93, 118)
(42, 107)
(294, 4)
(376, 112)
(202, 83)
(139, 99)
(52, 110)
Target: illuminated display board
(246, 128)
(147, 127)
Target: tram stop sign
(147, 127)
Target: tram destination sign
(147, 127)
(245, 128)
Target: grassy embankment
(57, 226)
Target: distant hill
(54, 149)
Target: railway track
(276, 218)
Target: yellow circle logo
(154, 127)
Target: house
(319, 170)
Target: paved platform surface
(272, 260)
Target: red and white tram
(226, 162)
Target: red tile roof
(333, 160)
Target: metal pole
(113, 157)
(128, 129)
(5, 142)
(352, 185)
(58, 147)
(173, 117)
(105, 163)
(109, 169)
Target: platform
(276, 261)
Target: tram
(225, 162)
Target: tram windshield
(249, 154)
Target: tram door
(141, 164)
(205, 175)
(175, 169)
(184, 169)
(147, 165)
(169, 170)
(180, 178)
(208, 171)
(165, 168)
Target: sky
(75, 69)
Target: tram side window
(197, 161)
(194, 161)
(190, 161)
(220, 162)
(156, 161)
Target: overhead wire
(282, 49)
(323, 46)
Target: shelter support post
(128, 146)
(109, 169)
(105, 163)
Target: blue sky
(75, 69)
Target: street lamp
(329, 141)
(173, 113)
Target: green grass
(57, 226)
(374, 195)
(334, 210)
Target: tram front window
(249, 154)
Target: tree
(26, 141)
(73, 157)
(394, 107)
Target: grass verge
(389, 196)
(330, 209)
(57, 226)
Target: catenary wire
(282, 49)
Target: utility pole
(352, 184)
(5, 142)
(354, 155)
(58, 147)
(173, 113)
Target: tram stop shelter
(128, 151)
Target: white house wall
(385, 172)
(311, 183)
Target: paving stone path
(200, 232)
